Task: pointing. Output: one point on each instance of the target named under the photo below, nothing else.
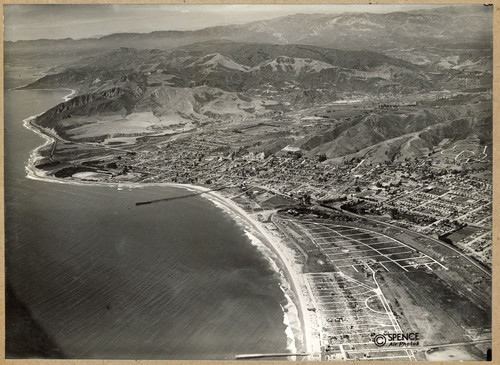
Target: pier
(279, 354)
(179, 197)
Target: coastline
(66, 98)
(279, 248)
(289, 278)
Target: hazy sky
(83, 21)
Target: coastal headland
(286, 262)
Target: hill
(237, 67)
(181, 88)
(423, 77)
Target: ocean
(91, 275)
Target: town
(446, 197)
(352, 224)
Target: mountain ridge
(188, 82)
(330, 30)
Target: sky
(86, 21)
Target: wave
(291, 318)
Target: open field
(370, 281)
(353, 248)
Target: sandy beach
(279, 247)
(293, 270)
(285, 255)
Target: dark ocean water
(102, 278)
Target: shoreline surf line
(290, 313)
(278, 247)
(65, 98)
(274, 243)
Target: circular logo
(379, 340)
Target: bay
(103, 278)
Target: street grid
(347, 246)
(351, 312)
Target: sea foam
(290, 313)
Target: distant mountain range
(238, 67)
(224, 80)
(170, 80)
(448, 27)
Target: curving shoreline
(244, 219)
(279, 248)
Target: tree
(322, 157)
(306, 199)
